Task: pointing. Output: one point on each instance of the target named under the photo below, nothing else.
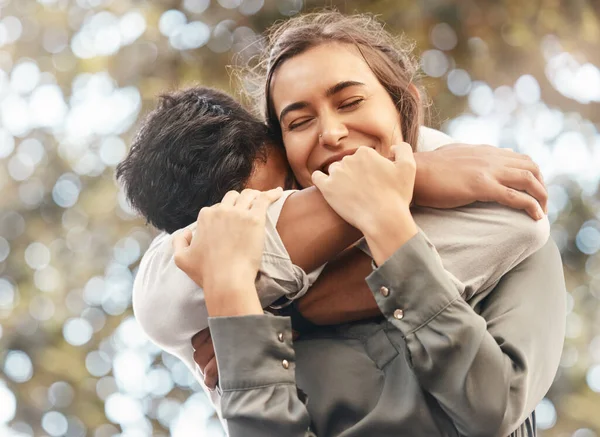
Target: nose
(332, 130)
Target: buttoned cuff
(253, 351)
(412, 287)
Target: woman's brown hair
(390, 58)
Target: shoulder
(525, 231)
(165, 300)
(491, 222)
(430, 139)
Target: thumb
(318, 178)
(182, 239)
(274, 194)
(266, 198)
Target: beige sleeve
(479, 243)
(170, 307)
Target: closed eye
(352, 103)
(297, 124)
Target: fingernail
(539, 214)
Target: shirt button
(285, 364)
(280, 337)
(385, 292)
(398, 314)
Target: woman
(434, 365)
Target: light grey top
(477, 244)
(434, 365)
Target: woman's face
(329, 103)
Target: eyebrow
(329, 92)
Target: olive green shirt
(435, 364)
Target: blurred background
(76, 76)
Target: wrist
(231, 295)
(389, 233)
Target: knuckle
(335, 167)
(511, 194)
(481, 177)
(178, 259)
(527, 175)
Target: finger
(274, 194)
(230, 198)
(204, 353)
(525, 164)
(182, 239)
(399, 150)
(245, 199)
(192, 226)
(335, 166)
(211, 374)
(318, 178)
(533, 168)
(200, 338)
(524, 180)
(264, 200)
(518, 200)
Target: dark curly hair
(195, 146)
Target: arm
(259, 395)
(445, 178)
(476, 372)
(254, 351)
(488, 371)
(477, 244)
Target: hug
(409, 283)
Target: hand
(366, 184)
(204, 356)
(224, 253)
(373, 194)
(457, 175)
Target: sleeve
(259, 397)
(430, 139)
(170, 307)
(488, 371)
(479, 243)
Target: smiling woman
(372, 101)
(336, 109)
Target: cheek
(298, 155)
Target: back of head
(195, 146)
(389, 57)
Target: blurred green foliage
(76, 75)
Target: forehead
(316, 70)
